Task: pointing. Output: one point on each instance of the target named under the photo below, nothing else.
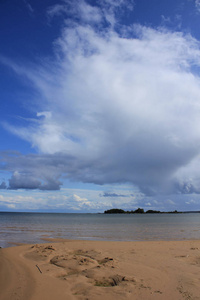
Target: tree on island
(150, 211)
(114, 211)
(121, 211)
(139, 211)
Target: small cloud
(106, 194)
(56, 10)
(46, 114)
(170, 202)
(197, 5)
(191, 202)
(11, 206)
(165, 20)
(29, 7)
(175, 22)
(81, 202)
(30, 182)
(23, 181)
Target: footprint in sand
(40, 252)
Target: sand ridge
(87, 270)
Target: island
(138, 211)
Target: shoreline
(44, 241)
(80, 269)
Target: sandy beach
(85, 270)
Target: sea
(31, 228)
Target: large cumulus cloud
(118, 104)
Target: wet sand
(90, 270)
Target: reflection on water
(33, 227)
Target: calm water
(34, 227)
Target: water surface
(34, 227)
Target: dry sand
(101, 270)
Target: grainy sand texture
(90, 270)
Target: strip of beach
(96, 270)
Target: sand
(90, 270)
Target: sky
(99, 105)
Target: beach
(84, 270)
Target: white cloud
(122, 106)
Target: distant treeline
(138, 211)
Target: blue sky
(100, 105)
